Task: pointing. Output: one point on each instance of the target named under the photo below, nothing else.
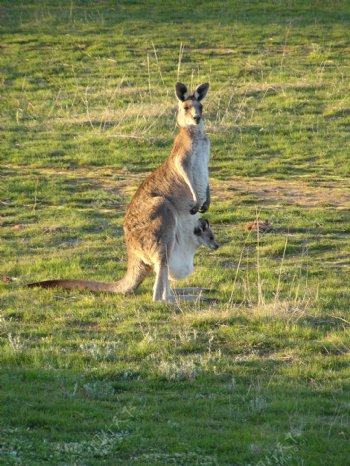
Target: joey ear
(206, 224)
(181, 91)
(201, 91)
(202, 224)
(197, 231)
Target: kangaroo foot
(190, 290)
(191, 294)
(194, 298)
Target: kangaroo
(164, 212)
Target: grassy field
(87, 110)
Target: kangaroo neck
(193, 132)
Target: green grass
(262, 376)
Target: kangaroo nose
(197, 119)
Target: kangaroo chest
(199, 163)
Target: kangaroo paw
(204, 207)
(194, 209)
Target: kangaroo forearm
(201, 187)
(206, 204)
(185, 173)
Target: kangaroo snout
(197, 119)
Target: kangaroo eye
(211, 238)
(186, 107)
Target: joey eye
(187, 107)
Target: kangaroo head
(190, 107)
(204, 234)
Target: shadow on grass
(139, 418)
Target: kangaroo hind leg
(134, 276)
(161, 289)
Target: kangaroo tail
(132, 279)
(77, 285)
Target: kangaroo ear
(206, 224)
(181, 92)
(197, 231)
(201, 91)
(203, 224)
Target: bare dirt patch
(329, 193)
